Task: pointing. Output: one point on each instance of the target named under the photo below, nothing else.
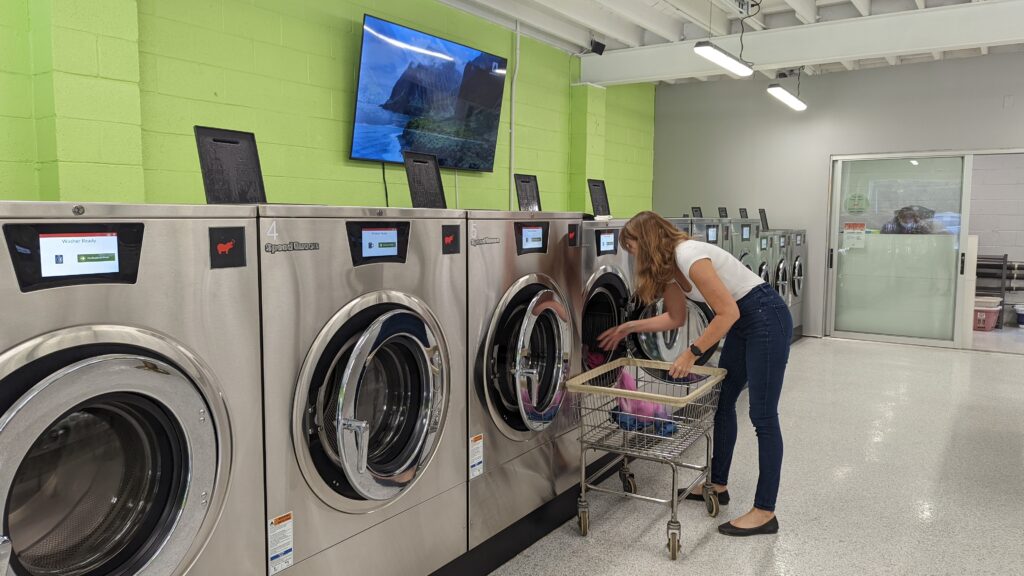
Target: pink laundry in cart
(644, 411)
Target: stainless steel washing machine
(710, 230)
(781, 270)
(766, 248)
(744, 234)
(364, 319)
(684, 224)
(130, 393)
(607, 279)
(523, 268)
(799, 261)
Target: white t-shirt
(736, 277)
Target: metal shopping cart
(633, 408)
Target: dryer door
(798, 277)
(747, 260)
(528, 351)
(373, 410)
(107, 466)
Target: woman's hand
(681, 367)
(609, 339)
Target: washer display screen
(533, 238)
(78, 254)
(380, 242)
(745, 232)
(712, 234)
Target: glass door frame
(834, 205)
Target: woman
(759, 328)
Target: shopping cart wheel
(583, 520)
(629, 484)
(712, 504)
(673, 546)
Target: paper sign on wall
(853, 234)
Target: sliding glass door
(895, 260)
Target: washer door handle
(360, 429)
(5, 554)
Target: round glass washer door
(527, 356)
(108, 469)
(798, 277)
(782, 279)
(372, 401)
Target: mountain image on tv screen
(426, 94)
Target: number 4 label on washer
(476, 456)
(280, 542)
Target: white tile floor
(899, 460)
(1009, 340)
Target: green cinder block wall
(100, 98)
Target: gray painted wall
(728, 143)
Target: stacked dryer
(523, 268)
(130, 402)
(364, 321)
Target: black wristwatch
(696, 351)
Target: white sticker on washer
(280, 542)
(476, 456)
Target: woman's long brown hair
(653, 241)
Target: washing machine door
(107, 466)
(747, 260)
(667, 346)
(764, 271)
(798, 277)
(374, 406)
(527, 355)
(782, 279)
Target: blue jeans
(756, 351)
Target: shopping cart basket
(633, 408)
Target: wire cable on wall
(384, 177)
(512, 125)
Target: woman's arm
(706, 280)
(673, 317)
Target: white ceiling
(637, 31)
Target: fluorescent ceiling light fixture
(722, 58)
(914, 162)
(787, 98)
(410, 47)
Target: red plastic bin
(985, 319)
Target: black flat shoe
(769, 527)
(723, 497)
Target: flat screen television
(426, 94)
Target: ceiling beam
(938, 54)
(535, 23)
(984, 50)
(646, 17)
(806, 10)
(862, 6)
(940, 28)
(714, 20)
(585, 14)
(850, 65)
(892, 60)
